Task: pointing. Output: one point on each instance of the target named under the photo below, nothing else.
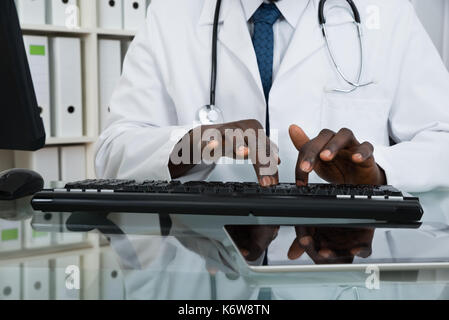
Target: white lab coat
(166, 78)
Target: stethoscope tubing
(213, 84)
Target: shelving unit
(90, 34)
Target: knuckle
(255, 123)
(326, 132)
(346, 132)
(310, 151)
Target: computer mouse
(19, 183)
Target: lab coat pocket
(367, 118)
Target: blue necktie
(263, 41)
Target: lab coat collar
(234, 35)
(291, 9)
(208, 12)
(307, 39)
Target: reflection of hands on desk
(331, 245)
(252, 241)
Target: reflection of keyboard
(198, 197)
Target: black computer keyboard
(198, 197)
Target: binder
(73, 163)
(110, 69)
(112, 285)
(44, 161)
(36, 239)
(10, 282)
(58, 15)
(65, 236)
(110, 15)
(67, 278)
(134, 13)
(10, 235)
(31, 11)
(67, 106)
(37, 53)
(36, 280)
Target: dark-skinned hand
(230, 147)
(330, 245)
(252, 241)
(337, 157)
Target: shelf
(50, 29)
(116, 33)
(46, 253)
(64, 141)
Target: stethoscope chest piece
(209, 114)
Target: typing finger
(343, 139)
(309, 155)
(363, 152)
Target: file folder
(112, 282)
(31, 11)
(110, 69)
(36, 280)
(110, 15)
(37, 53)
(67, 106)
(10, 282)
(73, 163)
(134, 13)
(44, 161)
(58, 15)
(67, 278)
(10, 235)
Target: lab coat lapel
(235, 36)
(306, 40)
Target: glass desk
(145, 256)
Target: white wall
(434, 14)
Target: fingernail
(356, 251)
(358, 156)
(213, 144)
(305, 241)
(266, 181)
(244, 252)
(325, 253)
(326, 154)
(306, 166)
(300, 183)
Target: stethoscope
(211, 114)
